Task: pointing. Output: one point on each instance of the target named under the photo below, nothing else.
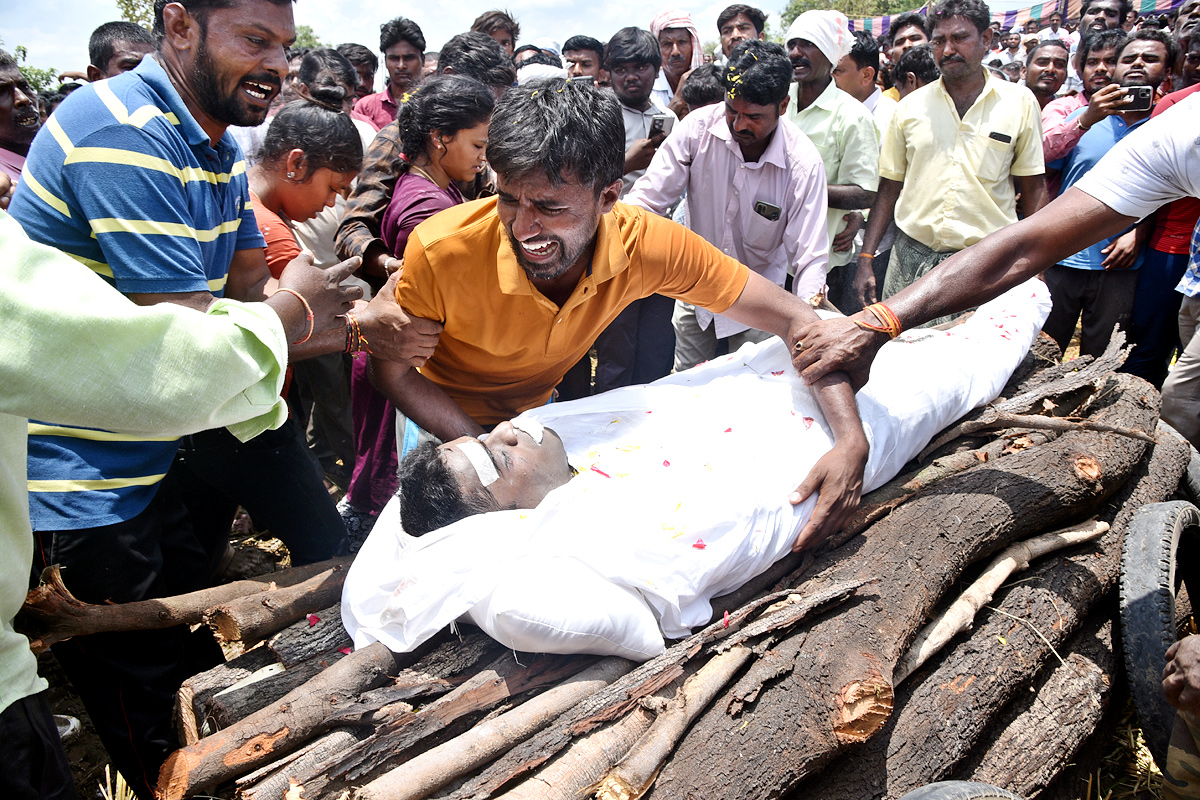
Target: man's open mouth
(260, 91)
(539, 250)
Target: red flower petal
(596, 469)
(313, 619)
(344, 651)
(666, 463)
(729, 430)
(780, 372)
(699, 545)
(808, 422)
(726, 619)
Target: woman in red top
(443, 136)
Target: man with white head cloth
(843, 131)
(681, 53)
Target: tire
(1160, 536)
(960, 790)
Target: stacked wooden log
(796, 685)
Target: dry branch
(624, 696)
(249, 620)
(993, 419)
(437, 767)
(309, 638)
(637, 770)
(276, 730)
(52, 614)
(957, 618)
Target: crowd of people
(505, 224)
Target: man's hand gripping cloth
(682, 495)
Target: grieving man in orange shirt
(524, 282)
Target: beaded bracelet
(355, 341)
(307, 311)
(891, 323)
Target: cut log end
(614, 788)
(862, 709)
(223, 625)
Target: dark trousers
(323, 384)
(273, 476)
(841, 283)
(35, 766)
(1104, 298)
(128, 681)
(1154, 327)
(638, 346)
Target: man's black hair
(703, 87)
(358, 55)
(431, 496)
(197, 8)
(478, 56)
(919, 61)
(908, 19)
(1005, 32)
(541, 56)
(1100, 40)
(974, 11)
(445, 103)
(1155, 35)
(865, 51)
(297, 52)
(7, 61)
(320, 128)
(104, 40)
(567, 130)
(1043, 44)
(755, 15)
(1124, 9)
(401, 29)
(491, 21)
(632, 46)
(758, 72)
(585, 43)
(326, 67)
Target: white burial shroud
(682, 495)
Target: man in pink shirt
(19, 120)
(1098, 58)
(755, 189)
(403, 46)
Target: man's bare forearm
(422, 401)
(1007, 257)
(849, 196)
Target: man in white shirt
(842, 130)
(755, 188)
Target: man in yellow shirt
(524, 282)
(954, 158)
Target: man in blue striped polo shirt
(137, 178)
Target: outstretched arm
(983, 271)
(838, 475)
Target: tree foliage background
(140, 12)
(854, 9)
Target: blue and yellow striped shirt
(124, 179)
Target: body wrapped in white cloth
(682, 495)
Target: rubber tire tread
(960, 790)
(1148, 611)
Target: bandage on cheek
(530, 426)
(478, 456)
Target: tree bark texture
(275, 730)
(1053, 721)
(249, 620)
(191, 711)
(310, 637)
(52, 614)
(834, 689)
(949, 705)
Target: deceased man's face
(519, 464)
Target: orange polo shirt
(505, 346)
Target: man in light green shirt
(75, 351)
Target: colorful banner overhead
(1009, 19)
